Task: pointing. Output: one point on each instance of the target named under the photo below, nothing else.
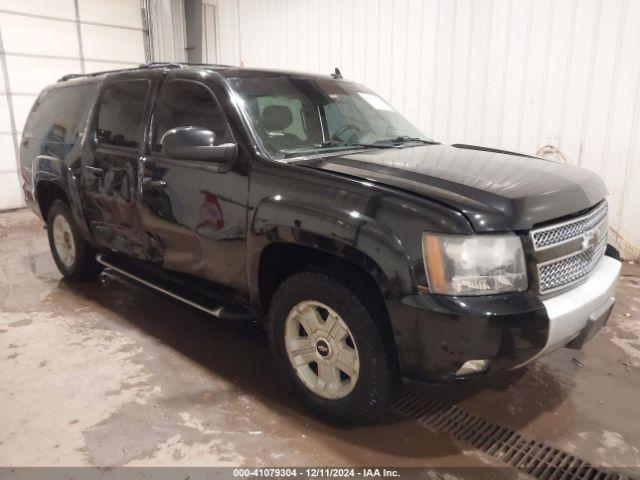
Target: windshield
(303, 116)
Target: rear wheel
(73, 255)
(329, 347)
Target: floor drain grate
(532, 457)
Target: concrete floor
(109, 376)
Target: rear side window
(120, 113)
(190, 104)
(60, 113)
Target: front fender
(347, 234)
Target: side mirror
(196, 143)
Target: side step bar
(224, 312)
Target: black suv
(370, 251)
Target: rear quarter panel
(53, 142)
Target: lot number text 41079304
(316, 472)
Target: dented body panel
(367, 209)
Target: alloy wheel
(63, 241)
(322, 350)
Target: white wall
(41, 40)
(168, 35)
(513, 74)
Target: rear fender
(47, 168)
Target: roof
(224, 70)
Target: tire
(340, 398)
(74, 257)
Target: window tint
(291, 103)
(190, 104)
(349, 110)
(298, 116)
(120, 113)
(59, 113)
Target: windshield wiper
(329, 143)
(338, 143)
(323, 145)
(406, 139)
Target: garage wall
(513, 74)
(41, 40)
(168, 36)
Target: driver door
(194, 213)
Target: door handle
(151, 183)
(98, 172)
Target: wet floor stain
(130, 378)
(20, 323)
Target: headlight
(474, 264)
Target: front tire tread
(376, 386)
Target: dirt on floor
(114, 375)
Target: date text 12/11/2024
(319, 472)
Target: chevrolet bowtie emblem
(589, 239)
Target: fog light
(473, 366)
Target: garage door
(41, 40)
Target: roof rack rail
(200, 64)
(160, 65)
(150, 65)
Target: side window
(120, 113)
(190, 104)
(59, 113)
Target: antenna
(336, 74)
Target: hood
(496, 190)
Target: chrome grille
(582, 241)
(562, 232)
(565, 271)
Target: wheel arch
(272, 271)
(326, 232)
(52, 181)
(354, 270)
(47, 192)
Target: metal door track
(530, 456)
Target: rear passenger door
(194, 213)
(112, 164)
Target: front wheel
(330, 348)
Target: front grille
(565, 271)
(579, 243)
(562, 232)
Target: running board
(208, 305)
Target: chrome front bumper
(571, 312)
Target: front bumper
(436, 335)
(578, 314)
